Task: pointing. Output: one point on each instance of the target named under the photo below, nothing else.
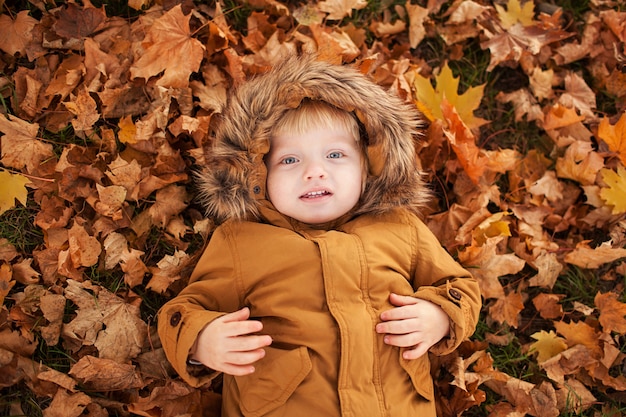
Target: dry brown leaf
(66, 404)
(84, 249)
(24, 273)
(586, 257)
(612, 312)
(338, 9)
(548, 305)
(506, 309)
(487, 266)
(20, 145)
(167, 271)
(125, 331)
(106, 374)
(580, 163)
(86, 111)
(171, 50)
(16, 34)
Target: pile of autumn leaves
(140, 95)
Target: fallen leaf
(614, 135)
(506, 309)
(487, 266)
(105, 321)
(417, 16)
(16, 34)
(586, 257)
(429, 99)
(614, 194)
(548, 305)
(76, 22)
(580, 163)
(85, 109)
(170, 50)
(106, 374)
(84, 249)
(612, 312)
(66, 404)
(463, 142)
(338, 9)
(547, 345)
(12, 187)
(20, 146)
(6, 280)
(516, 13)
(167, 271)
(579, 333)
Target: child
(321, 291)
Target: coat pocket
(419, 372)
(276, 377)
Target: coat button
(455, 294)
(175, 319)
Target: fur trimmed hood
(232, 185)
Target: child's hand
(413, 323)
(226, 344)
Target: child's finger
(248, 343)
(239, 315)
(416, 352)
(402, 300)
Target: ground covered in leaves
(107, 110)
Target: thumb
(239, 315)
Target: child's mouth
(315, 194)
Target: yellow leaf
(614, 136)
(515, 13)
(429, 99)
(492, 227)
(615, 192)
(128, 130)
(12, 187)
(547, 345)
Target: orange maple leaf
(612, 312)
(171, 50)
(463, 143)
(614, 136)
(579, 333)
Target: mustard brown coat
(319, 291)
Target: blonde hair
(312, 114)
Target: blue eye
(289, 160)
(335, 155)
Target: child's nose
(314, 170)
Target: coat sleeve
(213, 290)
(440, 279)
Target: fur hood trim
(232, 185)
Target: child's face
(315, 177)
